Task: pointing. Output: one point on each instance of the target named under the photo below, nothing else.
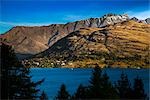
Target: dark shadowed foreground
(16, 82)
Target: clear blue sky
(45, 12)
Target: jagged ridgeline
(32, 40)
(112, 40)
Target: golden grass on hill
(124, 44)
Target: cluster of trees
(101, 88)
(16, 82)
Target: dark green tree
(43, 96)
(15, 79)
(81, 92)
(123, 87)
(63, 93)
(95, 88)
(100, 86)
(109, 91)
(138, 89)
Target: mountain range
(112, 40)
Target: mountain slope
(32, 40)
(124, 44)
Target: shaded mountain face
(123, 44)
(32, 40)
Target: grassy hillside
(124, 44)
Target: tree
(138, 90)
(109, 92)
(15, 79)
(81, 92)
(43, 96)
(63, 93)
(95, 88)
(124, 87)
(100, 86)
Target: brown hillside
(32, 40)
(124, 44)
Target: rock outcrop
(146, 21)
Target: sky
(46, 12)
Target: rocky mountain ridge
(33, 40)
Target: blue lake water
(54, 77)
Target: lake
(54, 77)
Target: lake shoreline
(93, 67)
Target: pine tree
(138, 89)
(63, 93)
(100, 86)
(109, 91)
(124, 87)
(43, 96)
(81, 92)
(95, 88)
(15, 79)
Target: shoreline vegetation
(88, 63)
